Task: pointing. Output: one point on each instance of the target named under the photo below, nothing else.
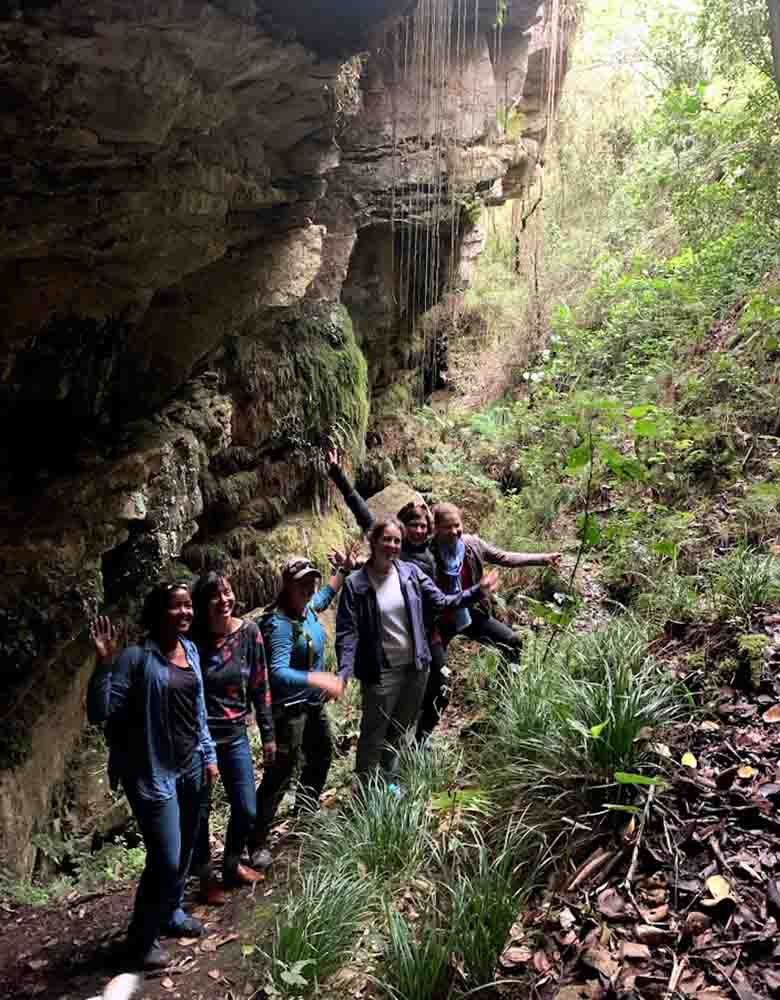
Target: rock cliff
(221, 222)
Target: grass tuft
(315, 928)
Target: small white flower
(546, 355)
(537, 377)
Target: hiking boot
(261, 859)
(243, 875)
(183, 925)
(154, 956)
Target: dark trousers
(391, 707)
(302, 736)
(168, 828)
(437, 693)
(488, 631)
(234, 759)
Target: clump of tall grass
(567, 721)
(742, 582)
(416, 964)
(432, 768)
(485, 896)
(316, 926)
(375, 831)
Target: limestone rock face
(207, 210)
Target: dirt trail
(70, 948)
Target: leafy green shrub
(374, 831)
(316, 926)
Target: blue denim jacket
(359, 627)
(130, 695)
(295, 648)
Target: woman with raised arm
(300, 686)
(235, 681)
(381, 638)
(150, 698)
(460, 563)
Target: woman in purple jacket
(381, 637)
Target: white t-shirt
(397, 639)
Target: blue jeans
(169, 828)
(234, 758)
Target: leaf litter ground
(685, 902)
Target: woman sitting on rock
(415, 548)
(151, 699)
(460, 563)
(381, 638)
(300, 686)
(235, 680)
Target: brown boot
(243, 875)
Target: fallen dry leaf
(634, 951)
(516, 955)
(588, 991)
(689, 760)
(709, 726)
(37, 963)
(651, 935)
(747, 772)
(541, 962)
(690, 983)
(208, 944)
(772, 714)
(566, 918)
(611, 904)
(697, 923)
(719, 889)
(657, 914)
(599, 958)
(187, 942)
(772, 980)
(214, 974)
(167, 984)
(226, 939)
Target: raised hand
(553, 560)
(489, 583)
(105, 638)
(337, 559)
(351, 556)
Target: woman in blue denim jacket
(150, 699)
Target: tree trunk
(773, 7)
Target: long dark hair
(157, 601)
(206, 586)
